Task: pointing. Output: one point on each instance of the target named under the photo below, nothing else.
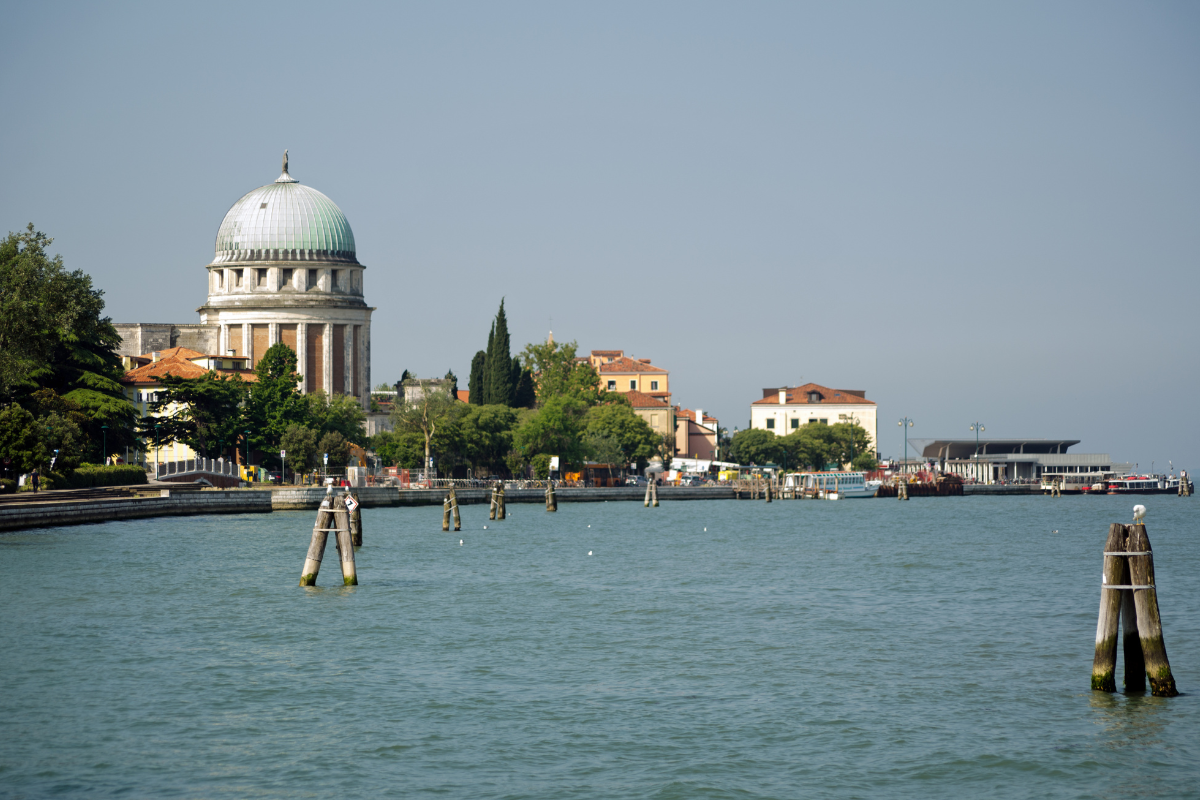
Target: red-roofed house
(695, 434)
(619, 373)
(657, 413)
(784, 410)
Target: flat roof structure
(965, 448)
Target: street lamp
(978, 428)
(905, 423)
(247, 453)
(104, 433)
(157, 451)
(853, 421)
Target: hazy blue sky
(971, 211)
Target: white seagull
(460, 542)
(1139, 513)
(589, 552)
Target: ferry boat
(1076, 482)
(838, 485)
(1145, 484)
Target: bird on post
(1139, 513)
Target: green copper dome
(285, 221)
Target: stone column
(302, 354)
(364, 363)
(273, 333)
(247, 342)
(327, 357)
(223, 340)
(348, 359)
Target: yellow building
(658, 413)
(619, 373)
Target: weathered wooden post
(553, 499)
(654, 494)
(1185, 484)
(345, 544)
(356, 522)
(446, 513)
(501, 512)
(1135, 663)
(1145, 598)
(454, 509)
(1104, 663)
(646, 502)
(316, 548)
(492, 505)
(767, 490)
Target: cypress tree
(500, 377)
(525, 395)
(487, 365)
(475, 382)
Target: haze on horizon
(971, 212)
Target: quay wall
(18, 516)
(373, 497)
(996, 488)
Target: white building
(285, 271)
(995, 460)
(784, 410)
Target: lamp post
(905, 423)
(247, 454)
(853, 421)
(156, 449)
(104, 434)
(978, 428)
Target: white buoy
(589, 526)
(706, 530)
(485, 527)
(460, 542)
(589, 552)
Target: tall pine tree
(476, 380)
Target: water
(936, 648)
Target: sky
(974, 212)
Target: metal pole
(157, 448)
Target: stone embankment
(310, 498)
(19, 516)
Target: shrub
(89, 475)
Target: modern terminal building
(284, 270)
(996, 460)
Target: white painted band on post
(1125, 586)
(1122, 553)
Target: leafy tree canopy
(301, 446)
(21, 448)
(336, 446)
(756, 446)
(431, 409)
(341, 413)
(203, 413)
(617, 421)
(556, 429)
(556, 372)
(274, 403)
(487, 436)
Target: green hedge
(89, 475)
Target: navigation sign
(351, 503)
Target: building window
(795, 422)
(770, 424)
(824, 422)
(612, 386)
(812, 422)
(632, 385)
(654, 386)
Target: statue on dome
(285, 162)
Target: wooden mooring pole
(454, 510)
(492, 505)
(552, 498)
(646, 502)
(501, 511)
(654, 495)
(446, 513)
(332, 517)
(345, 543)
(316, 548)
(1128, 594)
(356, 522)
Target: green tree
(341, 413)
(525, 395)
(453, 383)
(556, 429)
(204, 413)
(274, 402)
(431, 409)
(52, 335)
(557, 373)
(618, 421)
(301, 446)
(487, 436)
(603, 448)
(756, 446)
(476, 380)
(499, 386)
(337, 448)
(21, 446)
(850, 444)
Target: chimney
(783, 396)
(699, 416)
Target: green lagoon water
(863, 649)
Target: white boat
(836, 485)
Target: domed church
(284, 270)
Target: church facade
(284, 270)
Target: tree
(21, 448)
(301, 445)
(336, 447)
(425, 414)
(499, 380)
(487, 435)
(604, 448)
(755, 446)
(850, 444)
(557, 373)
(52, 335)
(339, 412)
(556, 429)
(453, 383)
(274, 403)
(475, 386)
(204, 413)
(636, 440)
(524, 396)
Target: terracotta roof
(179, 352)
(643, 400)
(179, 366)
(688, 413)
(799, 396)
(464, 395)
(629, 365)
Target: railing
(213, 466)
